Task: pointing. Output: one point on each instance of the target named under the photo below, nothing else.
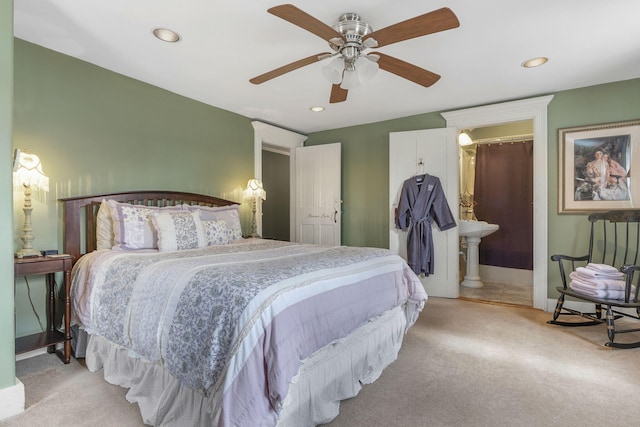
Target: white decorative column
(472, 278)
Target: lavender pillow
(216, 232)
(179, 231)
(132, 226)
(229, 214)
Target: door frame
(527, 109)
(273, 136)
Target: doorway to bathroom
(496, 186)
(514, 111)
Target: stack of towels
(599, 281)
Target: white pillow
(229, 214)
(216, 232)
(132, 227)
(104, 227)
(179, 230)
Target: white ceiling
(227, 42)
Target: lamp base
(28, 253)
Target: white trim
(490, 273)
(34, 353)
(274, 149)
(527, 109)
(276, 137)
(12, 400)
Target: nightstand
(48, 266)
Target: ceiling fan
(351, 37)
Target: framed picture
(595, 167)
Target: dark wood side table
(48, 266)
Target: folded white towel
(597, 287)
(598, 283)
(598, 293)
(595, 274)
(602, 267)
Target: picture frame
(595, 164)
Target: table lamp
(27, 173)
(254, 192)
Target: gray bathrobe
(422, 201)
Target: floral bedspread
(206, 314)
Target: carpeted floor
(69, 395)
(463, 363)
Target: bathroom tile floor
(507, 293)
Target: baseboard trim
(33, 353)
(491, 273)
(12, 400)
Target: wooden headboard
(79, 213)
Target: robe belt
(423, 220)
(426, 218)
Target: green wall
(98, 132)
(7, 327)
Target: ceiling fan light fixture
(317, 109)
(367, 68)
(333, 70)
(350, 80)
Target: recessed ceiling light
(316, 109)
(166, 35)
(535, 62)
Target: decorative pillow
(132, 227)
(104, 227)
(179, 230)
(216, 232)
(229, 214)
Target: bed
(205, 327)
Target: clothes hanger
(419, 175)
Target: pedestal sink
(473, 232)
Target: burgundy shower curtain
(504, 196)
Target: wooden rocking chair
(614, 240)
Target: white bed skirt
(333, 373)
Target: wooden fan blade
(337, 94)
(289, 67)
(405, 70)
(290, 13)
(429, 23)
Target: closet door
(434, 152)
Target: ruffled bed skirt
(333, 373)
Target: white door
(318, 198)
(435, 152)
